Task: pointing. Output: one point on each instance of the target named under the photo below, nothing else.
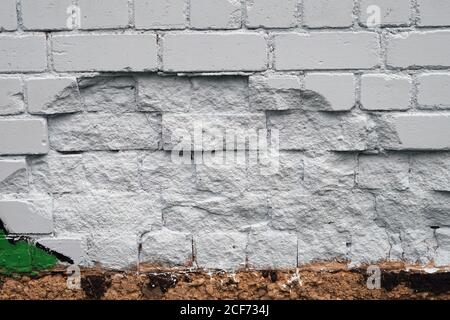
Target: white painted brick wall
(94, 93)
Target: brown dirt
(330, 281)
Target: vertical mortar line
(383, 39)
(414, 91)
(187, 13)
(131, 16)
(19, 15)
(160, 50)
(414, 13)
(358, 84)
(243, 14)
(356, 13)
(270, 39)
(49, 44)
(300, 13)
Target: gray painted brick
(160, 14)
(327, 13)
(95, 52)
(53, 95)
(433, 13)
(272, 13)
(8, 15)
(406, 50)
(215, 14)
(23, 136)
(392, 13)
(326, 50)
(101, 131)
(431, 171)
(46, 14)
(434, 91)
(11, 96)
(385, 92)
(27, 217)
(197, 52)
(23, 53)
(103, 14)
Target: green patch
(23, 257)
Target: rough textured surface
(323, 137)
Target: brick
(433, 13)
(103, 14)
(53, 95)
(383, 172)
(46, 14)
(326, 50)
(198, 52)
(431, 171)
(125, 52)
(108, 94)
(23, 136)
(167, 248)
(220, 250)
(434, 91)
(11, 96)
(385, 92)
(323, 131)
(272, 13)
(8, 15)
(68, 247)
(418, 131)
(160, 14)
(406, 50)
(272, 250)
(443, 249)
(392, 13)
(178, 130)
(330, 171)
(328, 13)
(97, 131)
(111, 250)
(13, 176)
(124, 213)
(215, 14)
(275, 92)
(27, 217)
(330, 91)
(23, 53)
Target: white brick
(137, 52)
(220, 250)
(431, 170)
(167, 248)
(23, 136)
(443, 250)
(272, 250)
(337, 91)
(103, 14)
(8, 15)
(53, 95)
(27, 217)
(383, 172)
(385, 92)
(198, 52)
(46, 14)
(419, 49)
(434, 12)
(420, 131)
(326, 50)
(13, 176)
(99, 131)
(327, 13)
(11, 96)
(160, 14)
(215, 14)
(23, 53)
(392, 13)
(272, 13)
(434, 90)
